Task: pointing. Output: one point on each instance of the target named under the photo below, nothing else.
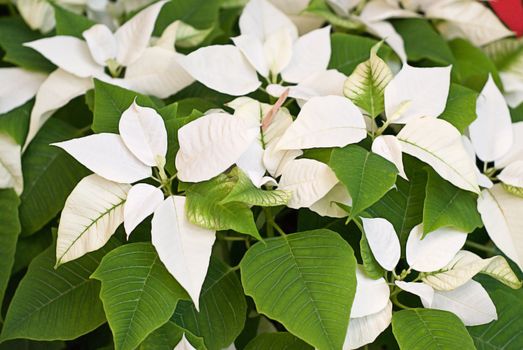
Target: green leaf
(49, 176)
(59, 304)
(138, 293)
(371, 267)
(9, 230)
(306, 281)
(471, 66)
(24, 344)
(403, 206)
(507, 331)
(446, 205)
(70, 23)
(13, 34)
(245, 192)
(16, 122)
(516, 114)
(366, 85)
(110, 102)
(367, 176)
(205, 208)
(422, 41)
(27, 248)
(168, 336)
(201, 14)
(347, 51)
(461, 107)
(223, 308)
(425, 329)
(281, 340)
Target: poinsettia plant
(260, 174)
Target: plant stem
(268, 221)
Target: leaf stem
(271, 224)
(478, 246)
(395, 301)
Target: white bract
(10, 164)
(184, 344)
(184, 248)
(417, 92)
(491, 133)
(148, 69)
(268, 45)
(23, 85)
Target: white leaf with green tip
(466, 265)
(439, 144)
(91, 214)
(366, 85)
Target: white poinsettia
(102, 201)
(446, 273)
(152, 70)
(23, 85)
(268, 45)
(264, 141)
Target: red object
(511, 13)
